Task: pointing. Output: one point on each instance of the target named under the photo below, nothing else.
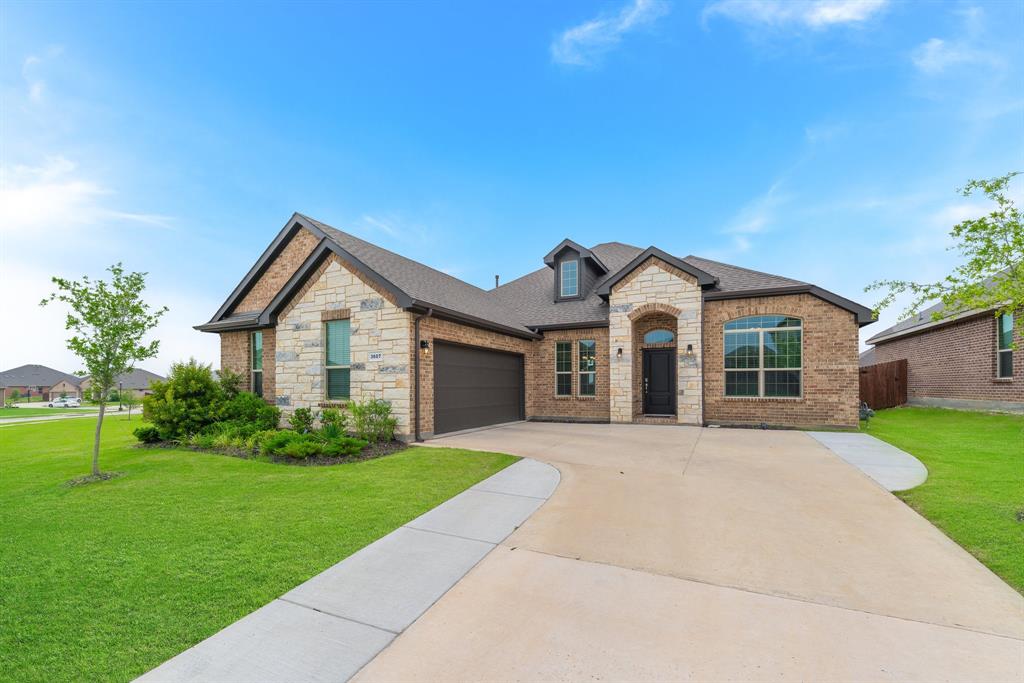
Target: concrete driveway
(676, 553)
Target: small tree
(129, 401)
(15, 395)
(992, 276)
(108, 321)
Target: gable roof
(136, 378)
(35, 376)
(549, 259)
(522, 307)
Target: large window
(338, 359)
(1004, 345)
(763, 356)
(588, 367)
(563, 368)
(570, 278)
(256, 362)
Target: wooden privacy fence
(884, 385)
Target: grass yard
(975, 487)
(105, 581)
(36, 412)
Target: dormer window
(570, 279)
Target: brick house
(39, 380)
(970, 360)
(611, 333)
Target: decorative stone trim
(339, 314)
(647, 309)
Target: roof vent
(495, 281)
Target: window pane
(1005, 331)
(257, 383)
(338, 385)
(741, 383)
(741, 349)
(563, 356)
(570, 284)
(588, 358)
(588, 384)
(782, 349)
(338, 342)
(257, 351)
(754, 322)
(782, 383)
(1006, 363)
(658, 337)
(563, 384)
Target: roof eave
(704, 279)
(863, 314)
(455, 316)
(887, 336)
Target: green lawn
(105, 581)
(35, 412)
(975, 487)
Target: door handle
(646, 390)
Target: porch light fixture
(425, 345)
(689, 350)
(618, 354)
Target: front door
(659, 381)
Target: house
(867, 357)
(136, 382)
(971, 360)
(609, 333)
(39, 380)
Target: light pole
(119, 390)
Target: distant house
(972, 359)
(868, 358)
(39, 380)
(137, 382)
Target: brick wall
(830, 365)
(957, 361)
(234, 354)
(277, 274)
(540, 382)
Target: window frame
(329, 368)
(671, 333)
(1000, 349)
(579, 366)
(761, 370)
(256, 362)
(576, 279)
(560, 373)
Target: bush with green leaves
(186, 402)
(147, 434)
(372, 421)
(230, 382)
(248, 408)
(302, 420)
(332, 417)
(305, 445)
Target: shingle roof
(136, 379)
(867, 357)
(737, 279)
(35, 376)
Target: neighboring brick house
(135, 381)
(39, 380)
(613, 333)
(971, 360)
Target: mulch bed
(368, 453)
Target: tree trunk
(96, 443)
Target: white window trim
(563, 372)
(760, 360)
(579, 384)
(252, 361)
(561, 279)
(1000, 351)
(327, 396)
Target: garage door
(474, 387)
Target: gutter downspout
(416, 373)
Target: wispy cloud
(30, 72)
(809, 14)
(756, 217)
(585, 44)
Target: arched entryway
(655, 361)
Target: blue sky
(820, 140)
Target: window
(337, 359)
(1004, 345)
(763, 356)
(563, 368)
(570, 282)
(659, 337)
(256, 362)
(588, 367)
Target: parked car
(65, 403)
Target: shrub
(334, 417)
(302, 420)
(200, 440)
(185, 403)
(147, 434)
(344, 445)
(301, 448)
(230, 382)
(248, 408)
(274, 443)
(256, 441)
(372, 421)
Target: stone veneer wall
(378, 325)
(655, 284)
(831, 384)
(540, 382)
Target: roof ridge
(748, 270)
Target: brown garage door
(474, 387)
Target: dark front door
(659, 381)
(474, 387)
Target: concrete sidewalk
(330, 626)
(892, 468)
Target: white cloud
(935, 56)
(584, 44)
(812, 14)
(757, 216)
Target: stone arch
(647, 309)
